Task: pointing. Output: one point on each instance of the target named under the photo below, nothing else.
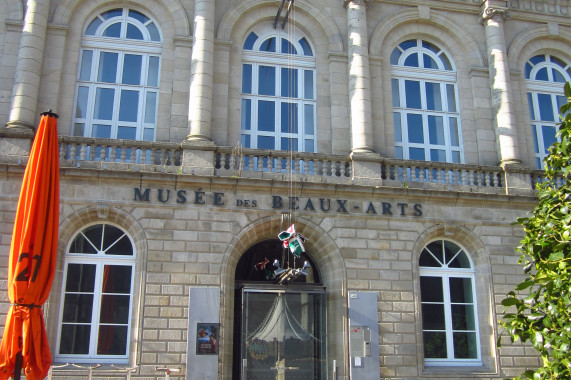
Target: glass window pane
(548, 137)
(451, 94)
(92, 28)
(269, 45)
(412, 93)
(456, 157)
(266, 116)
(289, 117)
(465, 345)
(461, 261)
(434, 345)
(463, 317)
(250, 40)
(138, 16)
(399, 152)
(437, 155)
(129, 106)
(430, 46)
(395, 55)
(245, 141)
(246, 122)
(398, 126)
(454, 133)
(534, 134)
(132, 69)
(427, 260)
(267, 80)
(308, 84)
(104, 98)
(396, 92)
(150, 108)
(287, 47)
(118, 244)
(77, 308)
(417, 154)
(542, 74)
(153, 72)
(78, 129)
(114, 309)
(81, 106)
(107, 67)
(408, 44)
(309, 118)
(431, 288)
(101, 131)
(545, 107)
(306, 47)
(134, 33)
(266, 142)
(433, 316)
(149, 134)
(446, 61)
(557, 76)
(289, 144)
(289, 83)
(112, 340)
(537, 59)
(561, 100)
(117, 279)
(113, 30)
(309, 146)
(429, 62)
(127, 133)
(247, 79)
(154, 32)
(436, 130)
(433, 97)
(415, 129)
(80, 278)
(435, 248)
(86, 61)
(528, 68)
(74, 339)
(461, 290)
(411, 60)
(530, 104)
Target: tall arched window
(425, 103)
(545, 76)
(449, 309)
(118, 78)
(97, 296)
(278, 91)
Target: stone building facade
(401, 138)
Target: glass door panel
(283, 335)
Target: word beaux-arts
(277, 202)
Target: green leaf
(510, 302)
(524, 285)
(556, 256)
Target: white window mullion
(96, 309)
(448, 318)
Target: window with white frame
(545, 76)
(278, 91)
(449, 308)
(425, 103)
(97, 296)
(118, 77)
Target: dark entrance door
(279, 328)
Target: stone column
(494, 13)
(23, 111)
(201, 80)
(359, 77)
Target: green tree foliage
(540, 311)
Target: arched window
(97, 296)
(449, 309)
(278, 91)
(118, 78)
(425, 103)
(545, 76)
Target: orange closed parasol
(33, 259)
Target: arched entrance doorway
(279, 315)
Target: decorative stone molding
(102, 210)
(346, 2)
(496, 10)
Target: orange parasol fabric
(33, 259)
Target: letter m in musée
(144, 196)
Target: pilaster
(494, 13)
(201, 81)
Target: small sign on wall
(207, 338)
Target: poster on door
(207, 338)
